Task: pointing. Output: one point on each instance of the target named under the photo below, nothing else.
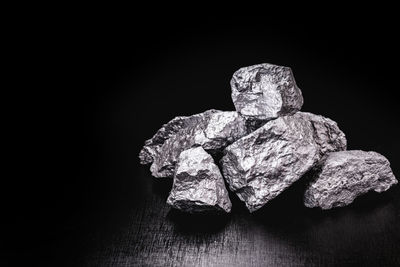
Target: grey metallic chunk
(152, 146)
(212, 129)
(198, 184)
(344, 175)
(265, 92)
(259, 166)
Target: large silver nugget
(259, 166)
(263, 92)
(198, 184)
(344, 175)
(212, 129)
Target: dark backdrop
(87, 201)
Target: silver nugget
(344, 175)
(265, 91)
(198, 184)
(259, 166)
(212, 129)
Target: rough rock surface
(253, 124)
(152, 146)
(265, 91)
(198, 184)
(344, 175)
(259, 166)
(212, 129)
(327, 134)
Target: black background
(109, 81)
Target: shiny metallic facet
(152, 146)
(259, 166)
(344, 175)
(265, 92)
(198, 184)
(212, 129)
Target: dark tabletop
(94, 205)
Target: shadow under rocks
(162, 186)
(368, 204)
(287, 213)
(210, 222)
(373, 200)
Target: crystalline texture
(265, 91)
(152, 146)
(198, 184)
(259, 166)
(212, 129)
(344, 175)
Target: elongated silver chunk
(344, 175)
(265, 91)
(198, 184)
(152, 146)
(212, 129)
(259, 166)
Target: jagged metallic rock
(152, 146)
(265, 91)
(344, 175)
(198, 184)
(259, 166)
(212, 129)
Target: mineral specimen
(265, 91)
(198, 184)
(259, 166)
(152, 146)
(344, 175)
(267, 145)
(212, 129)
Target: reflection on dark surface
(161, 186)
(197, 223)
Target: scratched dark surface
(282, 234)
(88, 202)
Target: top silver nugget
(265, 92)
